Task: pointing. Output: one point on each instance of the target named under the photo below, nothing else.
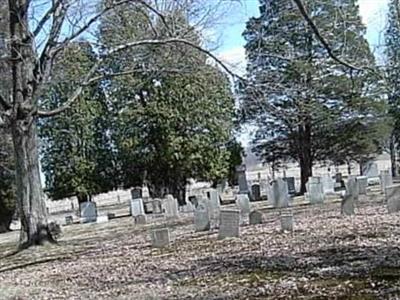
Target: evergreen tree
(297, 95)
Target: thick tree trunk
(30, 200)
(305, 173)
(305, 155)
(393, 151)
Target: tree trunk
(5, 222)
(305, 173)
(30, 200)
(305, 155)
(393, 155)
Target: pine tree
(297, 95)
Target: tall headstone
(202, 215)
(370, 169)
(136, 193)
(264, 187)
(229, 223)
(291, 185)
(256, 192)
(170, 206)
(243, 204)
(347, 205)
(242, 180)
(362, 184)
(352, 187)
(287, 221)
(278, 193)
(160, 237)
(214, 206)
(386, 179)
(255, 217)
(157, 206)
(137, 207)
(393, 198)
(88, 212)
(315, 190)
(328, 184)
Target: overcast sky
(231, 50)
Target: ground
(327, 256)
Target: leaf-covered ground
(328, 256)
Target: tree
(392, 51)
(173, 123)
(31, 52)
(298, 94)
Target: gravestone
(214, 207)
(241, 174)
(352, 187)
(202, 215)
(392, 194)
(137, 208)
(370, 169)
(193, 200)
(69, 220)
(328, 184)
(102, 219)
(256, 192)
(157, 206)
(170, 207)
(347, 205)
(88, 212)
(160, 237)
(287, 221)
(140, 220)
(255, 217)
(278, 194)
(229, 224)
(362, 184)
(338, 177)
(386, 180)
(264, 187)
(243, 204)
(136, 193)
(315, 190)
(290, 184)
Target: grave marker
(202, 216)
(160, 237)
(362, 182)
(393, 198)
(256, 217)
(137, 207)
(386, 180)
(229, 224)
(287, 221)
(88, 212)
(243, 204)
(256, 192)
(315, 190)
(140, 220)
(290, 184)
(278, 194)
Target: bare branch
(46, 17)
(324, 43)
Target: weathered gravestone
(350, 197)
(386, 180)
(137, 208)
(256, 192)
(140, 219)
(256, 217)
(136, 193)
(229, 224)
(352, 187)
(160, 237)
(243, 204)
(157, 206)
(278, 194)
(315, 191)
(328, 184)
(241, 174)
(287, 221)
(214, 207)
(264, 187)
(102, 219)
(290, 184)
(69, 220)
(370, 169)
(202, 215)
(194, 200)
(393, 198)
(88, 212)
(170, 207)
(362, 182)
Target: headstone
(194, 200)
(157, 206)
(256, 192)
(145, 192)
(69, 220)
(352, 187)
(291, 184)
(229, 224)
(315, 190)
(386, 180)
(362, 182)
(136, 193)
(241, 174)
(243, 204)
(278, 194)
(338, 177)
(140, 220)
(347, 206)
(214, 206)
(137, 207)
(370, 169)
(170, 207)
(255, 217)
(102, 219)
(264, 187)
(202, 216)
(393, 198)
(160, 237)
(287, 221)
(88, 212)
(328, 184)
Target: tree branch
(4, 103)
(324, 43)
(45, 18)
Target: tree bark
(393, 155)
(305, 155)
